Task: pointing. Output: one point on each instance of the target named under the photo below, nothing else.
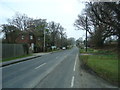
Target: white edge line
(40, 65)
(75, 62)
(72, 82)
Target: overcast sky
(61, 11)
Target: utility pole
(44, 41)
(86, 34)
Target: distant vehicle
(85, 47)
(63, 48)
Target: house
(27, 38)
(34, 43)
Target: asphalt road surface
(57, 70)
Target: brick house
(32, 43)
(27, 38)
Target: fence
(13, 50)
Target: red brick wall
(25, 40)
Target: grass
(104, 63)
(97, 51)
(89, 50)
(13, 58)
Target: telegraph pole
(86, 34)
(44, 41)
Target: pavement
(34, 55)
(57, 70)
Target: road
(57, 70)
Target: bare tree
(99, 22)
(20, 21)
(109, 14)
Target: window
(31, 37)
(22, 37)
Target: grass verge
(13, 58)
(104, 63)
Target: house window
(31, 37)
(22, 37)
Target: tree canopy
(103, 21)
(54, 32)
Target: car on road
(63, 48)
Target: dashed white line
(75, 62)
(40, 65)
(72, 82)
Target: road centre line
(75, 62)
(40, 65)
(72, 82)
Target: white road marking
(72, 82)
(40, 65)
(75, 62)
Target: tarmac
(34, 55)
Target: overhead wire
(6, 5)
